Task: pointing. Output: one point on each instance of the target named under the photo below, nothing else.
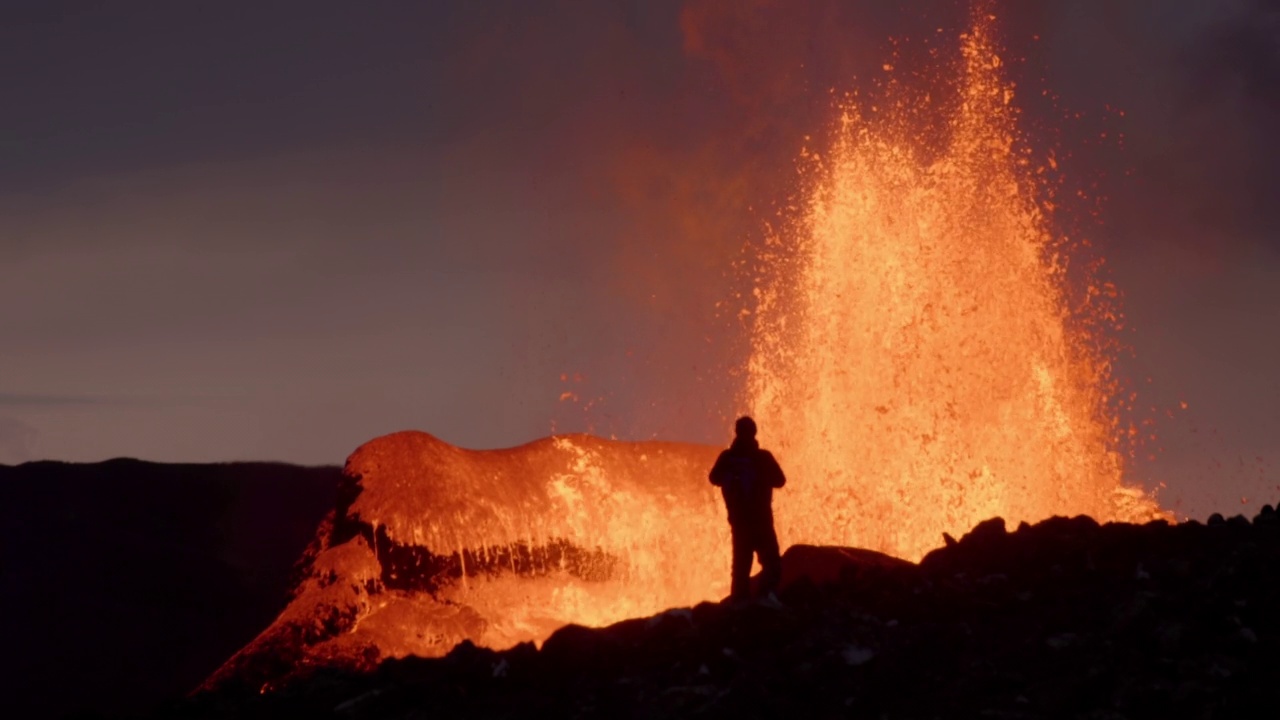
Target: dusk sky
(275, 230)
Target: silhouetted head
(745, 427)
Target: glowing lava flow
(915, 372)
(433, 544)
(565, 529)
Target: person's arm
(717, 472)
(774, 472)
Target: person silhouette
(747, 476)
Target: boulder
(824, 564)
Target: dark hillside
(1064, 619)
(125, 583)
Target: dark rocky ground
(123, 584)
(1062, 619)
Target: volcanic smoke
(915, 370)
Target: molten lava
(566, 529)
(915, 372)
(914, 369)
(433, 544)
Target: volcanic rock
(431, 544)
(824, 565)
(1064, 618)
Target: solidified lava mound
(431, 545)
(1066, 618)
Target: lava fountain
(915, 369)
(914, 362)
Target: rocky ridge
(1065, 618)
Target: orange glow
(914, 370)
(568, 529)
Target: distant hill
(125, 583)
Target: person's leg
(740, 588)
(770, 560)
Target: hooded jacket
(747, 476)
